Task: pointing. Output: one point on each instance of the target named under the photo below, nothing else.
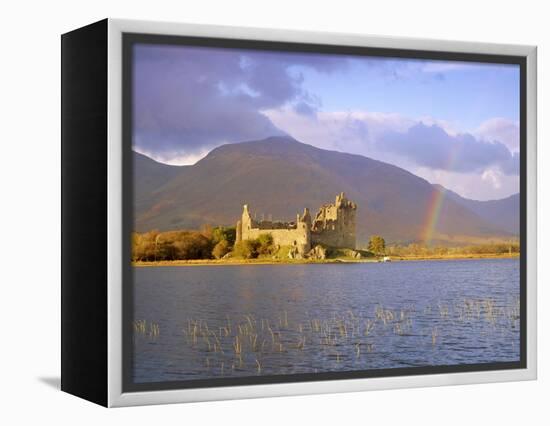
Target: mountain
(150, 175)
(279, 176)
(503, 213)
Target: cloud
(305, 109)
(430, 148)
(492, 176)
(187, 99)
(419, 69)
(398, 139)
(186, 159)
(491, 185)
(348, 131)
(501, 130)
(437, 67)
(433, 147)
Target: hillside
(150, 175)
(504, 213)
(280, 176)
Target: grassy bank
(457, 256)
(237, 262)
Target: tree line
(414, 249)
(218, 242)
(206, 243)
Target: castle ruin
(333, 226)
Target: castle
(333, 226)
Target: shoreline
(338, 261)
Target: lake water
(202, 322)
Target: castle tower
(340, 200)
(244, 225)
(306, 217)
(334, 224)
(246, 219)
(303, 226)
(239, 229)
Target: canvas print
(305, 213)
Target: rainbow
(436, 202)
(432, 217)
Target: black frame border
(130, 39)
(84, 184)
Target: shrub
(224, 233)
(221, 249)
(143, 245)
(173, 245)
(265, 244)
(247, 249)
(192, 245)
(281, 252)
(377, 245)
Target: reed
(242, 343)
(237, 346)
(435, 333)
(369, 325)
(140, 326)
(154, 330)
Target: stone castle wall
(333, 226)
(282, 237)
(295, 234)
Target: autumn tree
(377, 244)
(227, 233)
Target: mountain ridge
(280, 176)
(503, 212)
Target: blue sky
(452, 123)
(466, 94)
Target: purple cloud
(433, 147)
(187, 99)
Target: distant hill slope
(150, 175)
(280, 176)
(503, 213)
